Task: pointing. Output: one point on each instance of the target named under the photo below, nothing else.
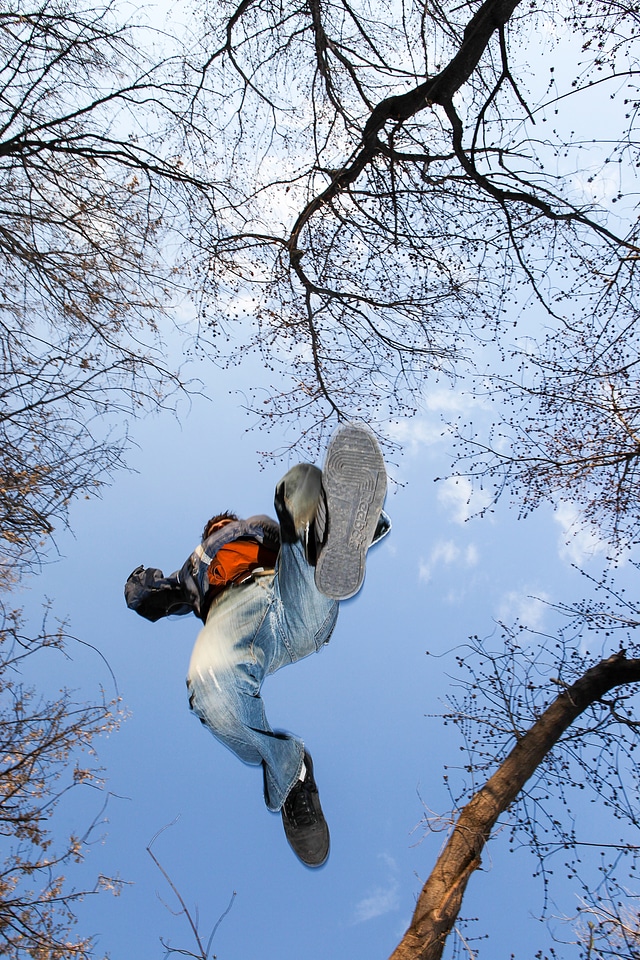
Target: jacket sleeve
(152, 595)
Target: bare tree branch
(441, 897)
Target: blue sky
(366, 706)
(363, 704)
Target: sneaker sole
(354, 480)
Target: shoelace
(298, 805)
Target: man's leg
(232, 655)
(336, 513)
(297, 499)
(246, 637)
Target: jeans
(252, 630)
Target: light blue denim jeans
(252, 630)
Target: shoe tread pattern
(355, 483)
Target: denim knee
(296, 500)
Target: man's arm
(153, 596)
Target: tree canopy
(368, 196)
(92, 187)
(408, 184)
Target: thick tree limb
(491, 16)
(441, 897)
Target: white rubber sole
(354, 480)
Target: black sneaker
(354, 482)
(304, 823)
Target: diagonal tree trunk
(441, 897)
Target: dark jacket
(152, 595)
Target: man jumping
(268, 595)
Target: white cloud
(418, 432)
(579, 540)
(380, 901)
(446, 552)
(449, 400)
(593, 185)
(471, 555)
(522, 605)
(457, 495)
(383, 898)
(415, 434)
